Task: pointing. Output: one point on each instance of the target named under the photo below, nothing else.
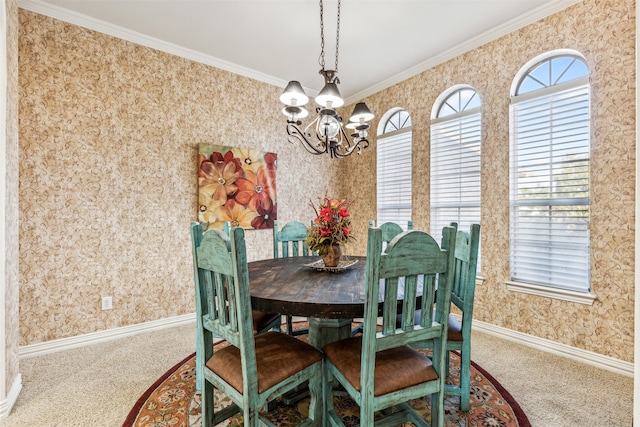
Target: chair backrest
(390, 229)
(464, 282)
(223, 303)
(412, 265)
(290, 240)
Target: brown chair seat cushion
(262, 320)
(278, 356)
(396, 368)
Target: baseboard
(6, 405)
(583, 356)
(41, 349)
(579, 355)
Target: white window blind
(455, 171)
(394, 177)
(550, 186)
(455, 161)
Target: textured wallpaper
(604, 32)
(108, 146)
(109, 134)
(10, 298)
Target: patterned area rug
(173, 401)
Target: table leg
(325, 331)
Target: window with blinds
(455, 161)
(394, 170)
(550, 149)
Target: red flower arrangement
(331, 225)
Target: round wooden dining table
(330, 300)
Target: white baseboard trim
(62, 344)
(584, 356)
(6, 405)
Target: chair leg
(437, 409)
(199, 364)
(316, 393)
(289, 325)
(326, 390)
(207, 405)
(199, 361)
(446, 363)
(251, 416)
(327, 395)
(366, 411)
(465, 379)
(269, 406)
(290, 330)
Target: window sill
(543, 291)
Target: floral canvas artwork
(237, 185)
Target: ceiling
(382, 42)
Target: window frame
(547, 95)
(402, 173)
(465, 122)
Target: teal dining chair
(288, 242)
(380, 370)
(389, 231)
(462, 296)
(252, 370)
(262, 322)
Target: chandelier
(325, 133)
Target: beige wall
(108, 142)
(10, 181)
(604, 32)
(108, 166)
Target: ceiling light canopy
(330, 136)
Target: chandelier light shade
(329, 96)
(361, 113)
(294, 94)
(325, 133)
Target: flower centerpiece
(330, 229)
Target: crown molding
(84, 21)
(508, 27)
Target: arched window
(549, 171)
(455, 159)
(394, 168)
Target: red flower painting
(237, 185)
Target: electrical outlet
(107, 303)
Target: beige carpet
(97, 385)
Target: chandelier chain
(321, 59)
(337, 36)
